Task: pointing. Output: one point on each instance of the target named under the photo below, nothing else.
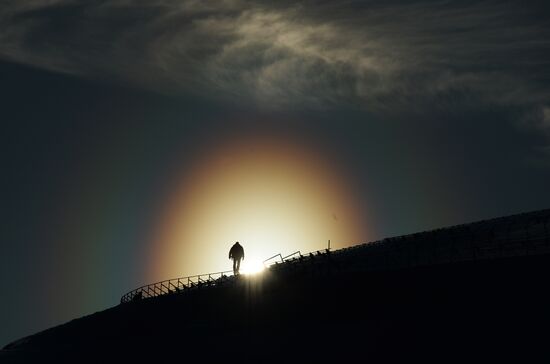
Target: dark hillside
(468, 310)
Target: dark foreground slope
(469, 311)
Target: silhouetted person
(236, 253)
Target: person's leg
(238, 265)
(235, 270)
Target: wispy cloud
(384, 58)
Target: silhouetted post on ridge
(236, 253)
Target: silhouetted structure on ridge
(471, 292)
(516, 235)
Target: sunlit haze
(272, 195)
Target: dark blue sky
(440, 110)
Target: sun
(275, 196)
(251, 266)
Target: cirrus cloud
(390, 57)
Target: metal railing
(522, 234)
(177, 285)
(516, 235)
(290, 255)
(293, 258)
(270, 258)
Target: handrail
(515, 235)
(296, 252)
(210, 279)
(522, 234)
(179, 284)
(276, 255)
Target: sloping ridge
(472, 292)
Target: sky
(140, 139)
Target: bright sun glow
(251, 266)
(273, 196)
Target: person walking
(236, 253)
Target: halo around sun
(272, 195)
